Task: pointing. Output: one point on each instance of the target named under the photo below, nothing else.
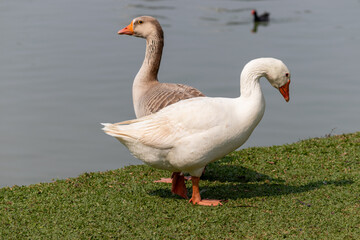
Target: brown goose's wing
(165, 94)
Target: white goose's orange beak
(128, 30)
(284, 90)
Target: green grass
(306, 190)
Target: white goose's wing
(162, 130)
(157, 133)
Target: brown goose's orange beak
(284, 90)
(128, 30)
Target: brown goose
(149, 95)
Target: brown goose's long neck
(150, 67)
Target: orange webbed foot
(196, 199)
(207, 202)
(164, 180)
(169, 180)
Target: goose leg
(196, 199)
(178, 185)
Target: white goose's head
(275, 71)
(144, 27)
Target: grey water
(64, 70)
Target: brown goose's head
(144, 27)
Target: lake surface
(64, 70)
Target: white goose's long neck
(151, 64)
(250, 89)
(249, 82)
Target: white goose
(149, 95)
(190, 134)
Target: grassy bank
(305, 190)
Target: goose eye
(286, 74)
(140, 21)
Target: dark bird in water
(262, 18)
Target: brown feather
(164, 94)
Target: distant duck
(149, 95)
(262, 18)
(192, 133)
